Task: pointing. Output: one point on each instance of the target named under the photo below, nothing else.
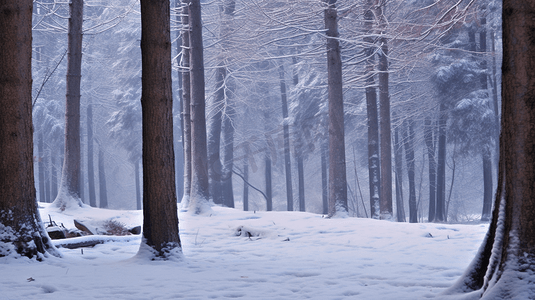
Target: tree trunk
(337, 163)
(53, 176)
(441, 166)
(430, 144)
(179, 142)
(385, 195)
(324, 178)
(160, 219)
(372, 114)
(502, 269)
(103, 191)
(487, 184)
(301, 180)
(246, 178)
(69, 191)
(408, 138)
(269, 193)
(398, 158)
(227, 191)
(186, 104)
(495, 101)
(214, 136)
(286, 129)
(138, 185)
(41, 165)
(90, 155)
(18, 205)
(199, 159)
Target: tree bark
(487, 184)
(160, 219)
(286, 129)
(337, 162)
(441, 165)
(324, 178)
(41, 165)
(408, 137)
(69, 192)
(430, 145)
(199, 158)
(90, 155)
(103, 191)
(385, 195)
(502, 269)
(186, 105)
(20, 221)
(246, 178)
(267, 175)
(398, 159)
(214, 136)
(138, 185)
(374, 170)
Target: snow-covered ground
(291, 255)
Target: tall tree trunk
(398, 158)
(160, 218)
(138, 185)
(103, 191)
(41, 165)
(430, 145)
(214, 136)
(179, 146)
(495, 101)
(324, 177)
(227, 191)
(18, 205)
(301, 180)
(186, 104)
(269, 192)
(337, 162)
(81, 179)
(53, 176)
(500, 269)
(199, 159)
(441, 166)
(408, 138)
(374, 170)
(487, 184)
(69, 192)
(385, 194)
(246, 178)
(286, 129)
(90, 155)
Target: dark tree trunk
(441, 166)
(90, 155)
(18, 205)
(246, 178)
(269, 193)
(199, 158)
(186, 105)
(214, 136)
(301, 180)
(385, 194)
(398, 158)
(430, 145)
(502, 268)
(81, 179)
(495, 100)
(487, 184)
(160, 219)
(286, 129)
(41, 165)
(138, 185)
(69, 193)
(337, 164)
(228, 156)
(324, 178)
(103, 191)
(408, 138)
(371, 108)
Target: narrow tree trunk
(103, 192)
(301, 180)
(41, 165)
(246, 178)
(228, 156)
(18, 205)
(487, 184)
(324, 178)
(186, 104)
(90, 155)
(441, 166)
(69, 193)
(372, 114)
(199, 159)
(398, 158)
(214, 136)
(337, 163)
(408, 137)
(385, 194)
(269, 193)
(495, 101)
(286, 129)
(53, 177)
(179, 146)
(160, 219)
(138, 185)
(82, 181)
(430, 145)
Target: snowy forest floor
(290, 255)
